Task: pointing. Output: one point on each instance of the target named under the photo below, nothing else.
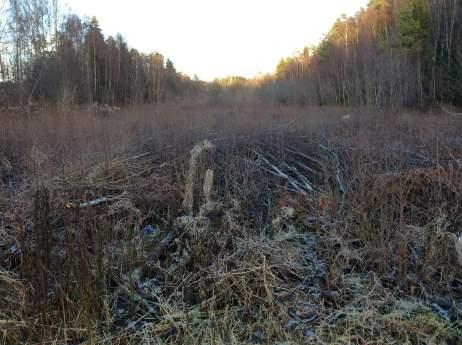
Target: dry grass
(288, 225)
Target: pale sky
(217, 38)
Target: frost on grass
(197, 152)
(232, 254)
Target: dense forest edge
(50, 57)
(391, 54)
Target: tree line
(393, 54)
(54, 57)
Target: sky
(218, 38)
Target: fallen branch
(278, 172)
(95, 202)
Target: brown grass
(299, 226)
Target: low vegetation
(226, 225)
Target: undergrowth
(294, 228)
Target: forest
(50, 57)
(392, 54)
(318, 204)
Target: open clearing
(186, 224)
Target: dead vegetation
(180, 225)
